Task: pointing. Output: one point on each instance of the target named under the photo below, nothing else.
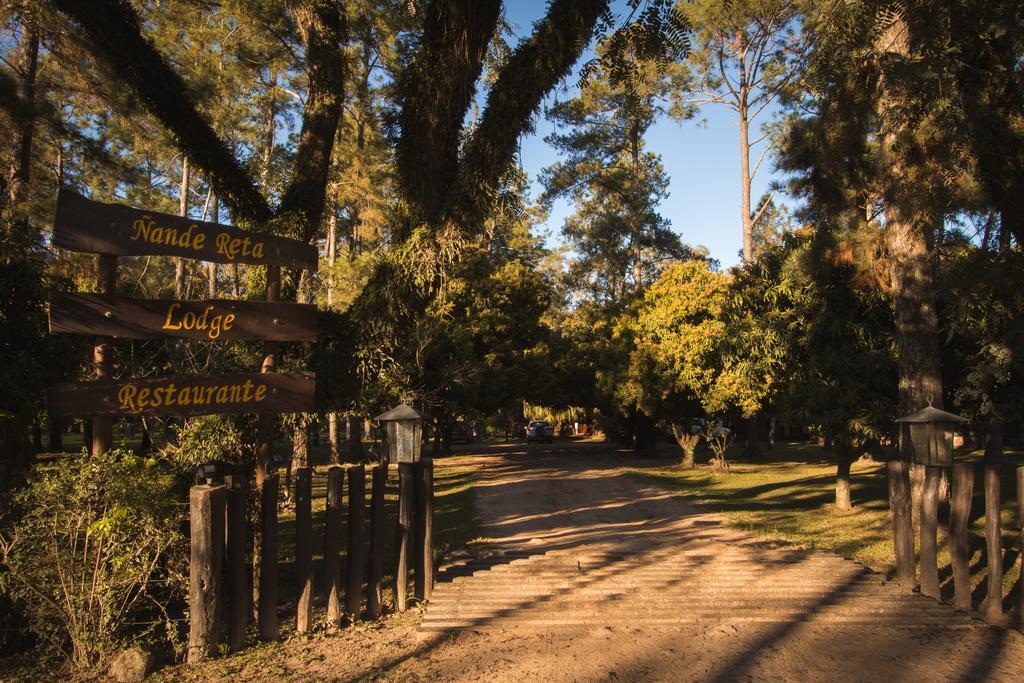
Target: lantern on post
(926, 437)
(404, 433)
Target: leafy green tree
(841, 347)
(985, 330)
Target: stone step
(750, 562)
(609, 611)
(664, 577)
(669, 586)
(871, 601)
(661, 567)
(511, 622)
(705, 591)
(660, 584)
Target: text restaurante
(135, 400)
(146, 230)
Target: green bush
(204, 439)
(96, 555)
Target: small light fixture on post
(208, 473)
(926, 437)
(404, 434)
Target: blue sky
(702, 162)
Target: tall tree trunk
(333, 440)
(637, 255)
(752, 437)
(912, 277)
(331, 246)
(354, 438)
(844, 457)
(906, 243)
(748, 223)
(179, 263)
(211, 267)
(16, 451)
(300, 454)
(20, 171)
(269, 131)
(685, 441)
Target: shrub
(719, 442)
(203, 439)
(96, 555)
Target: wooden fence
(960, 501)
(220, 600)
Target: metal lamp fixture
(404, 429)
(926, 437)
(208, 473)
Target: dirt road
(590, 574)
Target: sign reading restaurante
(186, 395)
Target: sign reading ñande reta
(85, 225)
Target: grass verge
(789, 495)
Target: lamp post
(926, 438)
(403, 435)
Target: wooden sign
(207, 320)
(85, 225)
(268, 392)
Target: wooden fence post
(332, 544)
(1020, 559)
(902, 525)
(237, 572)
(356, 553)
(959, 516)
(406, 493)
(304, 548)
(374, 596)
(206, 519)
(268, 558)
(994, 553)
(424, 578)
(929, 532)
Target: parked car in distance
(718, 428)
(540, 430)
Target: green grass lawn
(789, 495)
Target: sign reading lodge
(205, 320)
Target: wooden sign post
(102, 356)
(113, 230)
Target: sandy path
(574, 501)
